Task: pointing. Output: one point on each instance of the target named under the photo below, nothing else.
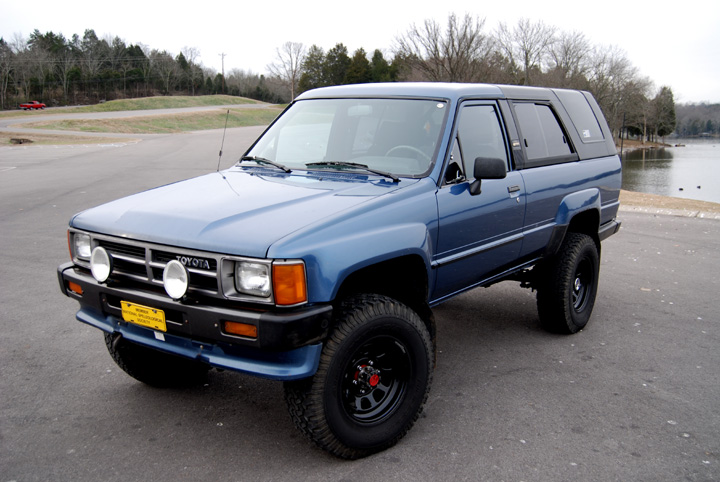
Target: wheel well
(404, 279)
(586, 222)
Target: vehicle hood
(239, 211)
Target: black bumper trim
(608, 229)
(277, 329)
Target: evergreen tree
(665, 119)
(313, 75)
(379, 68)
(359, 71)
(336, 65)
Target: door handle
(512, 189)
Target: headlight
(82, 248)
(100, 264)
(175, 279)
(253, 279)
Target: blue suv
(317, 259)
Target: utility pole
(222, 55)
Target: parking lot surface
(634, 396)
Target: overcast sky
(677, 46)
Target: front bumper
(287, 346)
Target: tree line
(698, 120)
(88, 69)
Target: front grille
(145, 262)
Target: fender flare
(570, 206)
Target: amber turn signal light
(289, 283)
(75, 288)
(240, 329)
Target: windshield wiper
(262, 160)
(354, 165)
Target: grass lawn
(165, 124)
(144, 103)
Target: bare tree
(457, 54)
(569, 60)
(23, 68)
(93, 55)
(64, 63)
(191, 54)
(146, 66)
(193, 73)
(164, 64)
(288, 66)
(527, 45)
(7, 61)
(617, 87)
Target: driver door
(478, 235)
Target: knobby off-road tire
(568, 285)
(153, 367)
(373, 379)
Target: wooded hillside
(701, 120)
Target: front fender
(330, 266)
(399, 224)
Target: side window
(480, 135)
(581, 113)
(541, 132)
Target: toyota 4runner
(316, 260)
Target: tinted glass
(581, 113)
(541, 132)
(480, 135)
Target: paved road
(635, 396)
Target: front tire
(568, 285)
(154, 367)
(373, 379)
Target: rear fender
(577, 202)
(571, 206)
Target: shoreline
(631, 201)
(634, 201)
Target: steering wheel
(408, 148)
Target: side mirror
(487, 168)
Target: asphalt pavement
(634, 396)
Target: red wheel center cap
(374, 380)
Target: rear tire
(568, 285)
(373, 379)
(154, 367)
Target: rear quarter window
(582, 115)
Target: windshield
(398, 136)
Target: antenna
(223, 139)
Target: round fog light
(100, 264)
(175, 279)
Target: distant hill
(697, 120)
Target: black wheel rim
(375, 379)
(581, 285)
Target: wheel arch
(586, 222)
(578, 212)
(403, 278)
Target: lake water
(691, 172)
